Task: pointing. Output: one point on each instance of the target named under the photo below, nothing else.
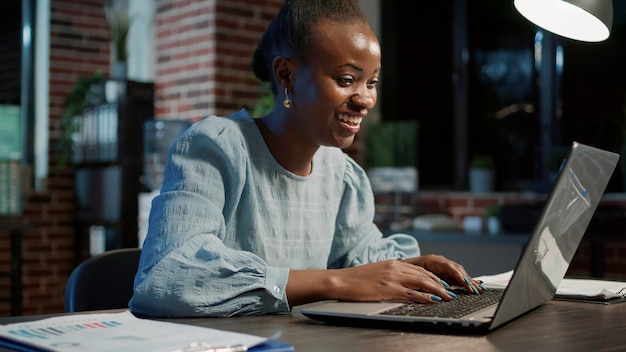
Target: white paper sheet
(569, 288)
(118, 332)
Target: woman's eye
(346, 81)
(372, 84)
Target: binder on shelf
(97, 135)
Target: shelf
(108, 160)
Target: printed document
(121, 332)
(578, 289)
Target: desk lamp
(584, 20)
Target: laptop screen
(566, 215)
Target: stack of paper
(574, 289)
(125, 332)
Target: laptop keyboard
(465, 304)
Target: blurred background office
(466, 81)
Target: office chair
(104, 281)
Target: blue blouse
(230, 222)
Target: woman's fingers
(419, 279)
(450, 271)
(424, 279)
(389, 280)
(423, 297)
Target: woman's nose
(365, 98)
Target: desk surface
(555, 326)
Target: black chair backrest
(104, 281)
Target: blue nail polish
(467, 281)
(445, 284)
(452, 294)
(435, 298)
(475, 289)
(483, 287)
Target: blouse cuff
(276, 285)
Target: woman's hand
(421, 279)
(390, 280)
(448, 270)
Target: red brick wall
(203, 55)
(79, 47)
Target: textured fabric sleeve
(185, 268)
(357, 238)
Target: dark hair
(289, 34)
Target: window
(471, 73)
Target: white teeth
(355, 120)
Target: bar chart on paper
(57, 330)
(116, 332)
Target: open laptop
(542, 265)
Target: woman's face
(335, 87)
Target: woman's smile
(350, 122)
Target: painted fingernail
(475, 289)
(452, 294)
(482, 286)
(435, 298)
(467, 281)
(445, 284)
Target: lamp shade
(584, 20)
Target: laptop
(581, 182)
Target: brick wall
(79, 47)
(204, 49)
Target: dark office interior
(499, 86)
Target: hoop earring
(287, 102)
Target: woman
(256, 216)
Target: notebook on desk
(540, 269)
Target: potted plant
(87, 91)
(391, 150)
(119, 24)
(481, 175)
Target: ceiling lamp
(585, 20)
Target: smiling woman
(333, 92)
(253, 213)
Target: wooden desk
(555, 326)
